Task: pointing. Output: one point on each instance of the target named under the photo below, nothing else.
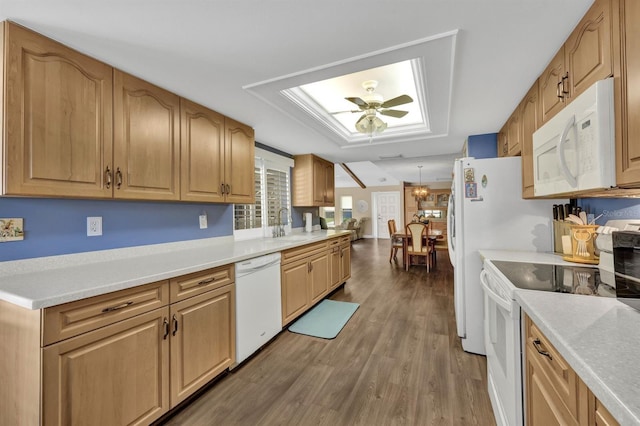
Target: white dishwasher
(258, 303)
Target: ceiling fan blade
(400, 100)
(342, 112)
(358, 101)
(393, 112)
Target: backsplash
(611, 208)
(59, 226)
(56, 226)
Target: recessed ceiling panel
(313, 96)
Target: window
(329, 213)
(346, 202)
(273, 194)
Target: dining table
(431, 239)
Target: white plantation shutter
(248, 216)
(273, 192)
(277, 195)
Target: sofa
(355, 226)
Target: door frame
(374, 210)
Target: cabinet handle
(117, 307)
(165, 323)
(222, 188)
(107, 177)
(308, 266)
(118, 178)
(227, 188)
(205, 282)
(559, 90)
(565, 90)
(175, 325)
(536, 344)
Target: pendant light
(420, 193)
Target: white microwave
(575, 150)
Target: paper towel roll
(308, 220)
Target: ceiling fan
(373, 103)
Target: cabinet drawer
(334, 242)
(298, 253)
(190, 285)
(74, 318)
(558, 372)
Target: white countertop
(48, 281)
(598, 336)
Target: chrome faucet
(278, 230)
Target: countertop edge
(21, 280)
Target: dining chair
(396, 242)
(419, 244)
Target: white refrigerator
(486, 211)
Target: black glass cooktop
(557, 278)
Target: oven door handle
(504, 303)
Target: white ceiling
(223, 53)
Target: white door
(387, 205)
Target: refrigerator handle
(451, 230)
(560, 151)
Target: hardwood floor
(398, 360)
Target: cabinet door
(345, 262)
(146, 154)
(319, 182)
(628, 109)
(514, 134)
(239, 163)
(544, 408)
(319, 277)
(503, 146)
(295, 290)
(202, 340)
(329, 183)
(551, 97)
(202, 159)
(335, 265)
(529, 110)
(588, 50)
(117, 374)
(58, 118)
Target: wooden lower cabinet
(319, 276)
(554, 394)
(295, 290)
(202, 340)
(122, 358)
(310, 272)
(345, 262)
(115, 375)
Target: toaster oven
(626, 265)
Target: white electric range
(500, 280)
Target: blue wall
(611, 208)
(483, 146)
(54, 226)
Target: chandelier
(420, 193)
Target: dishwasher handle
(257, 264)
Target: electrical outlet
(203, 221)
(94, 226)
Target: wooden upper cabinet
(530, 119)
(146, 140)
(202, 146)
(239, 163)
(313, 181)
(58, 118)
(503, 146)
(588, 50)
(514, 133)
(628, 103)
(551, 89)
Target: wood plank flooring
(398, 360)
